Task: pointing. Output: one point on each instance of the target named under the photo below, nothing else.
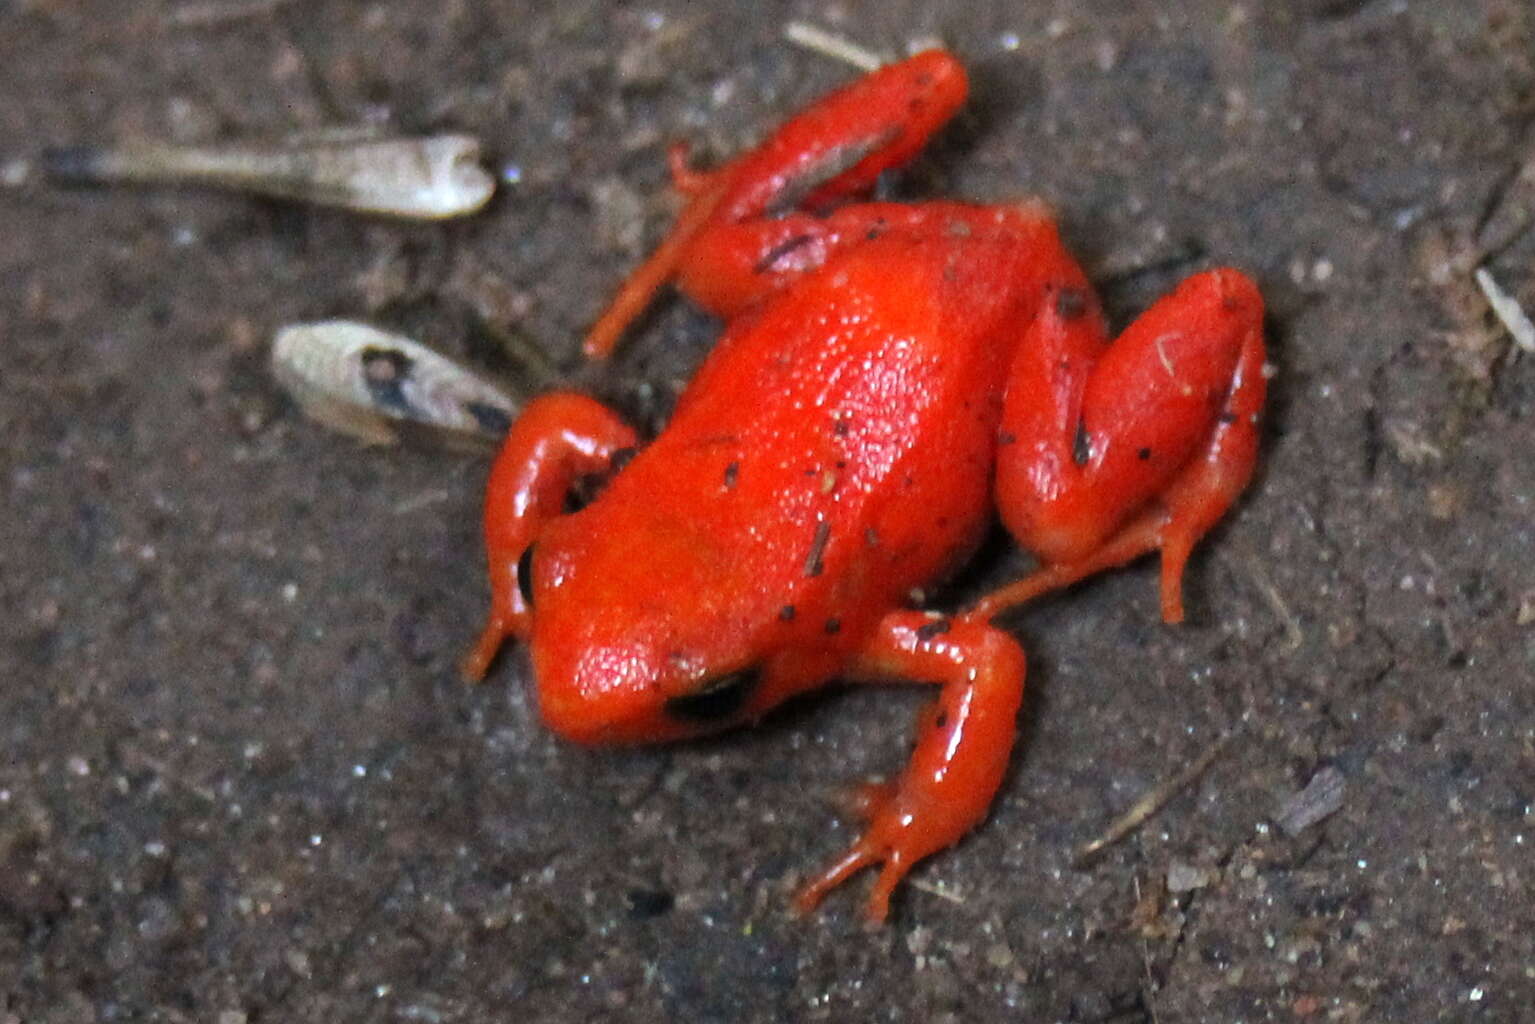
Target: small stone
(1184, 877)
(298, 962)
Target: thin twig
(936, 890)
(206, 15)
(425, 499)
(133, 757)
(1151, 997)
(1153, 801)
(1294, 636)
(829, 44)
(1508, 311)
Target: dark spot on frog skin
(833, 626)
(813, 563)
(1144, 454)
(779, 251)
(732, 472)
(1006, 437)
(717, 699)
(786, 613)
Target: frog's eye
(717, 699)
(525, 575)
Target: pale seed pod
(364, 382)
(430, 178)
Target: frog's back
(836, 447)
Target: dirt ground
(241, 781)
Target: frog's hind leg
(1141, 449)
(645, 280)
(831, 152)
(964, 741)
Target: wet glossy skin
(888, 375)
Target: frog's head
(630, 643)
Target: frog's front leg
(963, 744)
(1106, 454)
(832, 151)
(559, 438)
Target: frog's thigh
(1142, 448)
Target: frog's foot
(1153, 531)
(476, 661)
(1141, 446)
(687, 180)
(1171, 529)
(864, 853)
(963, 745)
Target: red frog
(887, 372)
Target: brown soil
(241, 781)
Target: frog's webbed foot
(963, 745)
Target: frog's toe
(859, 856)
